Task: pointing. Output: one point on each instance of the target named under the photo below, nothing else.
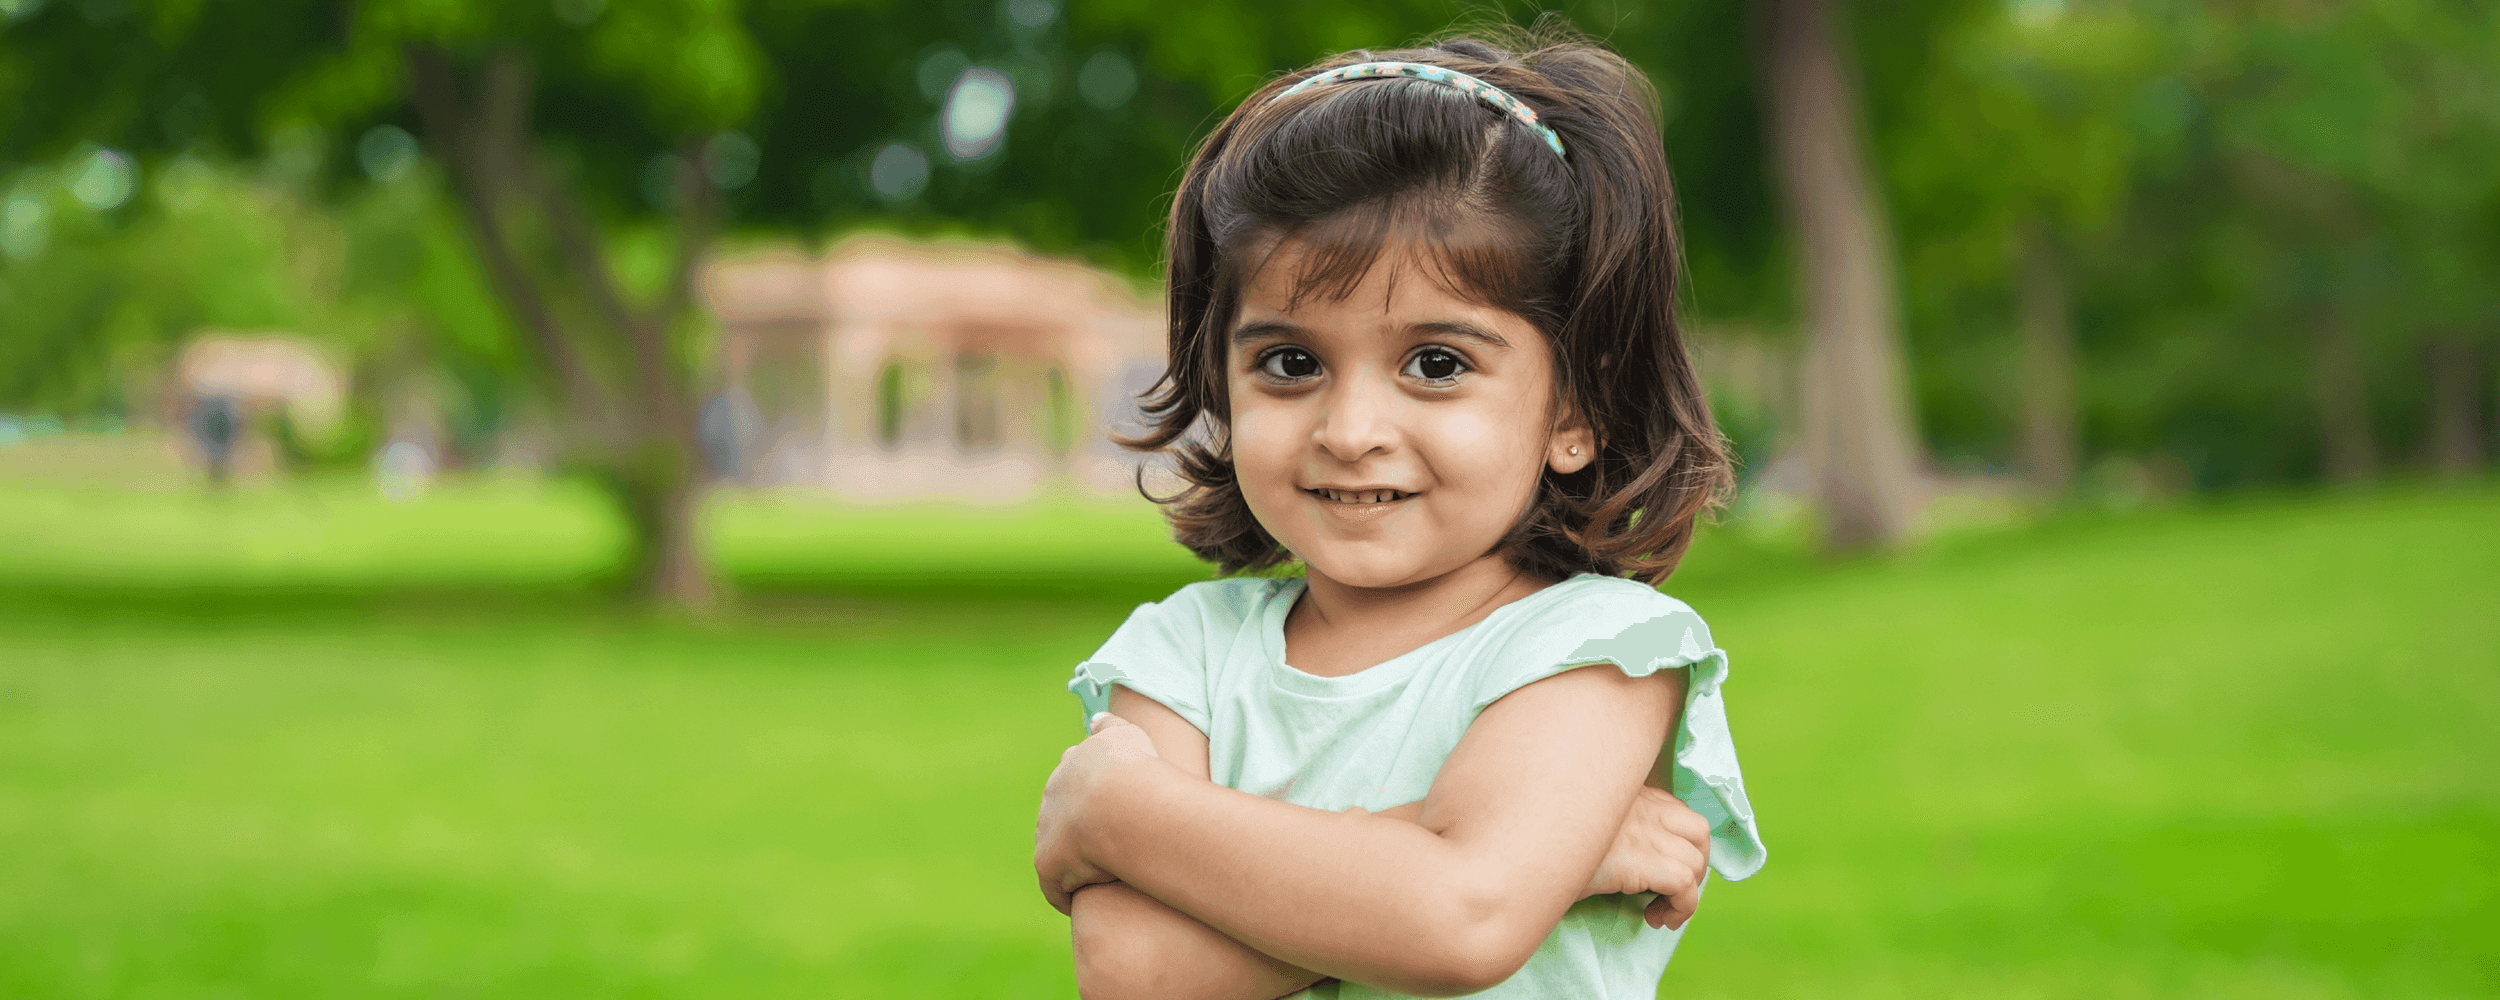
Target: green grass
(299, 742)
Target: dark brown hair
(1584, 246)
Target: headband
(1446, 77)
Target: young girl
(1423, 323)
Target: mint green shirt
(1215, 654)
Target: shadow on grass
(829, 598)
(1722, 562)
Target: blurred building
(891, 369)
(226, 391)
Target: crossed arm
(1128, 944)
(1226, 894)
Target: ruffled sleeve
(1642, 632)
(1159, 652)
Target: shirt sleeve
(1159, 652)
(1642, 635)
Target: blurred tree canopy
(2248, 239)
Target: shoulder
(1163, 650)
(1615, 595)
(1592, 610)
(1192, 615)
(1212, 603)
(1242, 592)
(1588, 619)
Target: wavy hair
(1584, 246)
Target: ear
(1572, 446)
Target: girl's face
(1394, 435)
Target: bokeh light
(975, 119)
(103, 180)
(387, 153)
(1107, 80)
(899, 172)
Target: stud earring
(1575, 451)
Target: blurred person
(216, 426)
(1424, 301)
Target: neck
(1435, 607)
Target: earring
(1575, 451)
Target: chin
(1370, 571)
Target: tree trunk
(2345, 451)
(2456, 416)
(1860, 436)
(2048, 330)
(623, 402)
(662, 502)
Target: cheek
(1496, 450)
(1263, 436)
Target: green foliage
(2215, 174)
(112, 288)
(381, 273)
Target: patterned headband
(1451, 78)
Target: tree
(2445, 203)
(2362, 137)
(2017, 165)
(181, 76)
(565, 130)
(1860, 435)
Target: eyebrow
(1273, 329)
(1464, 331)
(1266, 329)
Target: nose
(1357, 419)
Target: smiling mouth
(1354, 497)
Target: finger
(1060, 901)
(1664, 865)
(1689, 825)
(1686, 857)
(1104, 720)
(1663, 914)
(1667, 877)
(1684, 905)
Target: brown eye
(1289, 363)
(1435, 365)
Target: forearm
(1515, 827)
(1359, 896)
(1128, 944)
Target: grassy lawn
(299, 742)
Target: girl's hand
(1662, 847)
(1058, 860)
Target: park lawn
(298, 742)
